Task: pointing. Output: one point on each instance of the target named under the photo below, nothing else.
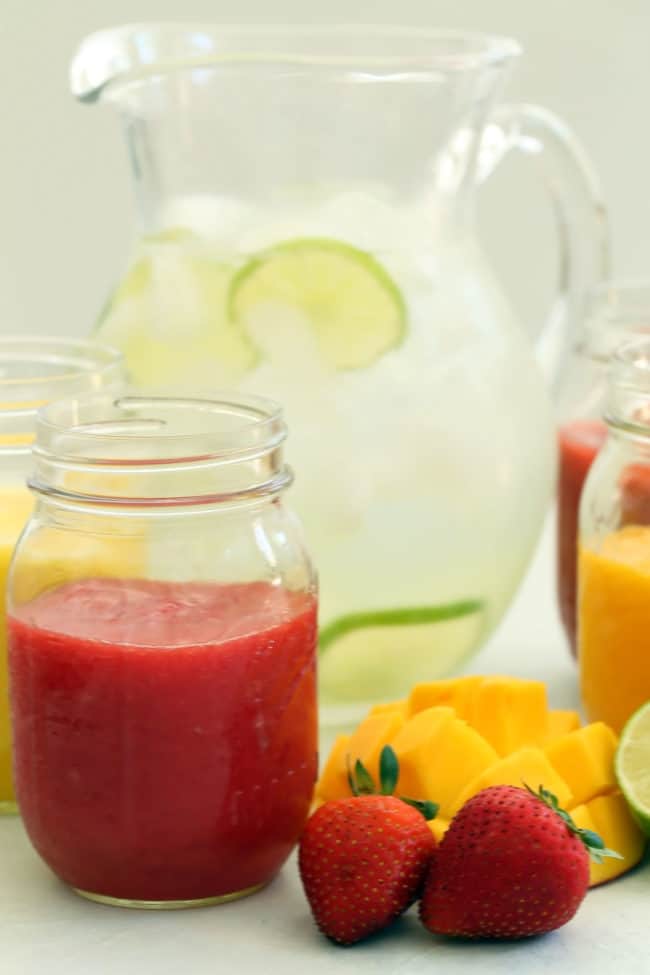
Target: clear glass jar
(33, 371)
(163, 699)
(617, 312)
(614, 550)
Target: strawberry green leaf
(388, 770)
(428, 809)
(363, 780)
(595, 846)
(592, 842)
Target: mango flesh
(610, 817)
(333, 781)
(585, 760)
(527, 766)
(400, 706)
(373, 733)
(457, 694)
(365, 744)
(437, 753)
(560, 723)
(438, 827)
(510, 713)
(449, 736)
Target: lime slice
(632, 765)
(376, 654)
(355, 308)
(169, 318)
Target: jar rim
(147, 419)
(159, 447)
(629, 388)
(38, 369)
(621, 300)
(631, 363)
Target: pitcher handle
(581, 216)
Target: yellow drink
(35, 371)
(15, 507)
(614, 625)
(45, 565)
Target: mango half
(454, 738)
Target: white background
(65, 198)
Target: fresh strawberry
(363, 859)
(512, 864)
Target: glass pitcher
(306, 231)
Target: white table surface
(47, 930)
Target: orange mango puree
(614, 625)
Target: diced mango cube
(437, 752)
(585, 760)
(610, 817)
(373, 733)
(527, 766)
(561, 723)
(333, 781)
(438, 827)
(510, 712)
(400, 706)
(415, 745)
(456, 693)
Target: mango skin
(585, 760)
(610, 817)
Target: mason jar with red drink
(163, 702)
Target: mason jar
(617, 313)
(34, 371)
(164, 697)
(614, 550)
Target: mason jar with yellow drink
(614, 556)
(33, 372)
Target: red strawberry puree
(165, 733)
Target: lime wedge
(169, 318)
(355, 308)
(632, 765)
